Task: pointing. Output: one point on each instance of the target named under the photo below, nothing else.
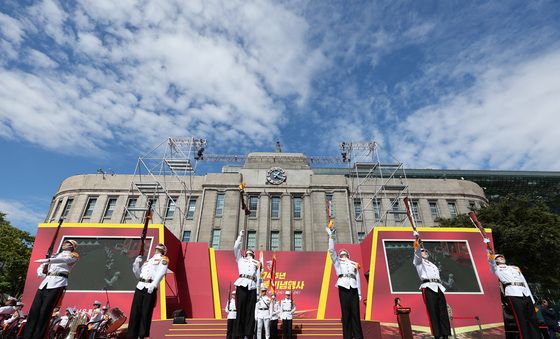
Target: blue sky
(91, 84)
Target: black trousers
(40, 312)
(287, 329)
(230, 327)
(273, 329)
(350, 307)
(525, 317)
(141, 312)
(437, 312)
(245, 300)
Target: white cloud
(507, 120)
(21, 215)
(155, 69)
(11, 28)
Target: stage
(200, 277)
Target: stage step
(213, 328)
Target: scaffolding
(164, 174)
(376, 186)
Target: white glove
(42, 260)
(359, 297)
(151, 288)
(416, 234)
(241, 232)
(486, 240)
(138, 259)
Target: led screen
(105, 263)
(453, 258)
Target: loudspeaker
(179, 317)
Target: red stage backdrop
(472, 290)
(106, 255)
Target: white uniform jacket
(151, 272)
(512, 278)
(346, 270)
(274, 309)
(230, 309)
(288, 307)
(247, 267)
(262, 310)
(60, 266)
(426, 271)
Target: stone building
(286, 196)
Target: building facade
(286, 197)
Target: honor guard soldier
(516, 292)
(149, 274)
(349, 291)
(51, 289)
(262, 314)
(231, 315)
(287, 308)
(246, 287)
(274, 314)
(432, 290)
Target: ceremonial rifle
(478, 225)
(245, 208)
(147, 219)
(408, 206)
(228, 296)
(51, 247)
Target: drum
(116, 319)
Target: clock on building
(275, 176)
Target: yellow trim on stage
(215, 289)
(430, 229)
(97, 225)
(324, 288)
(162, 284)
(372, 258)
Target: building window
(399, 215)
(170, 209)
(220, 204)
(57, 207)
(275, 207)
(358, 208)
(216, 238)
(67, 208)
(130, 204)
(361, 236)
(330, 205)
(89, 209)
(253, 205)
(275, 240)
(452, 208)
(298, 241)
(434, 209)
(191, 208)
(377, 209)
(472, 205)
(415, 211)
(296, 201)
(252, 239)
(186, 236)
(110, 208)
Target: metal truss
(166, 173)
(372, 182)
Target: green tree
(527, 233)
(15, 251)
